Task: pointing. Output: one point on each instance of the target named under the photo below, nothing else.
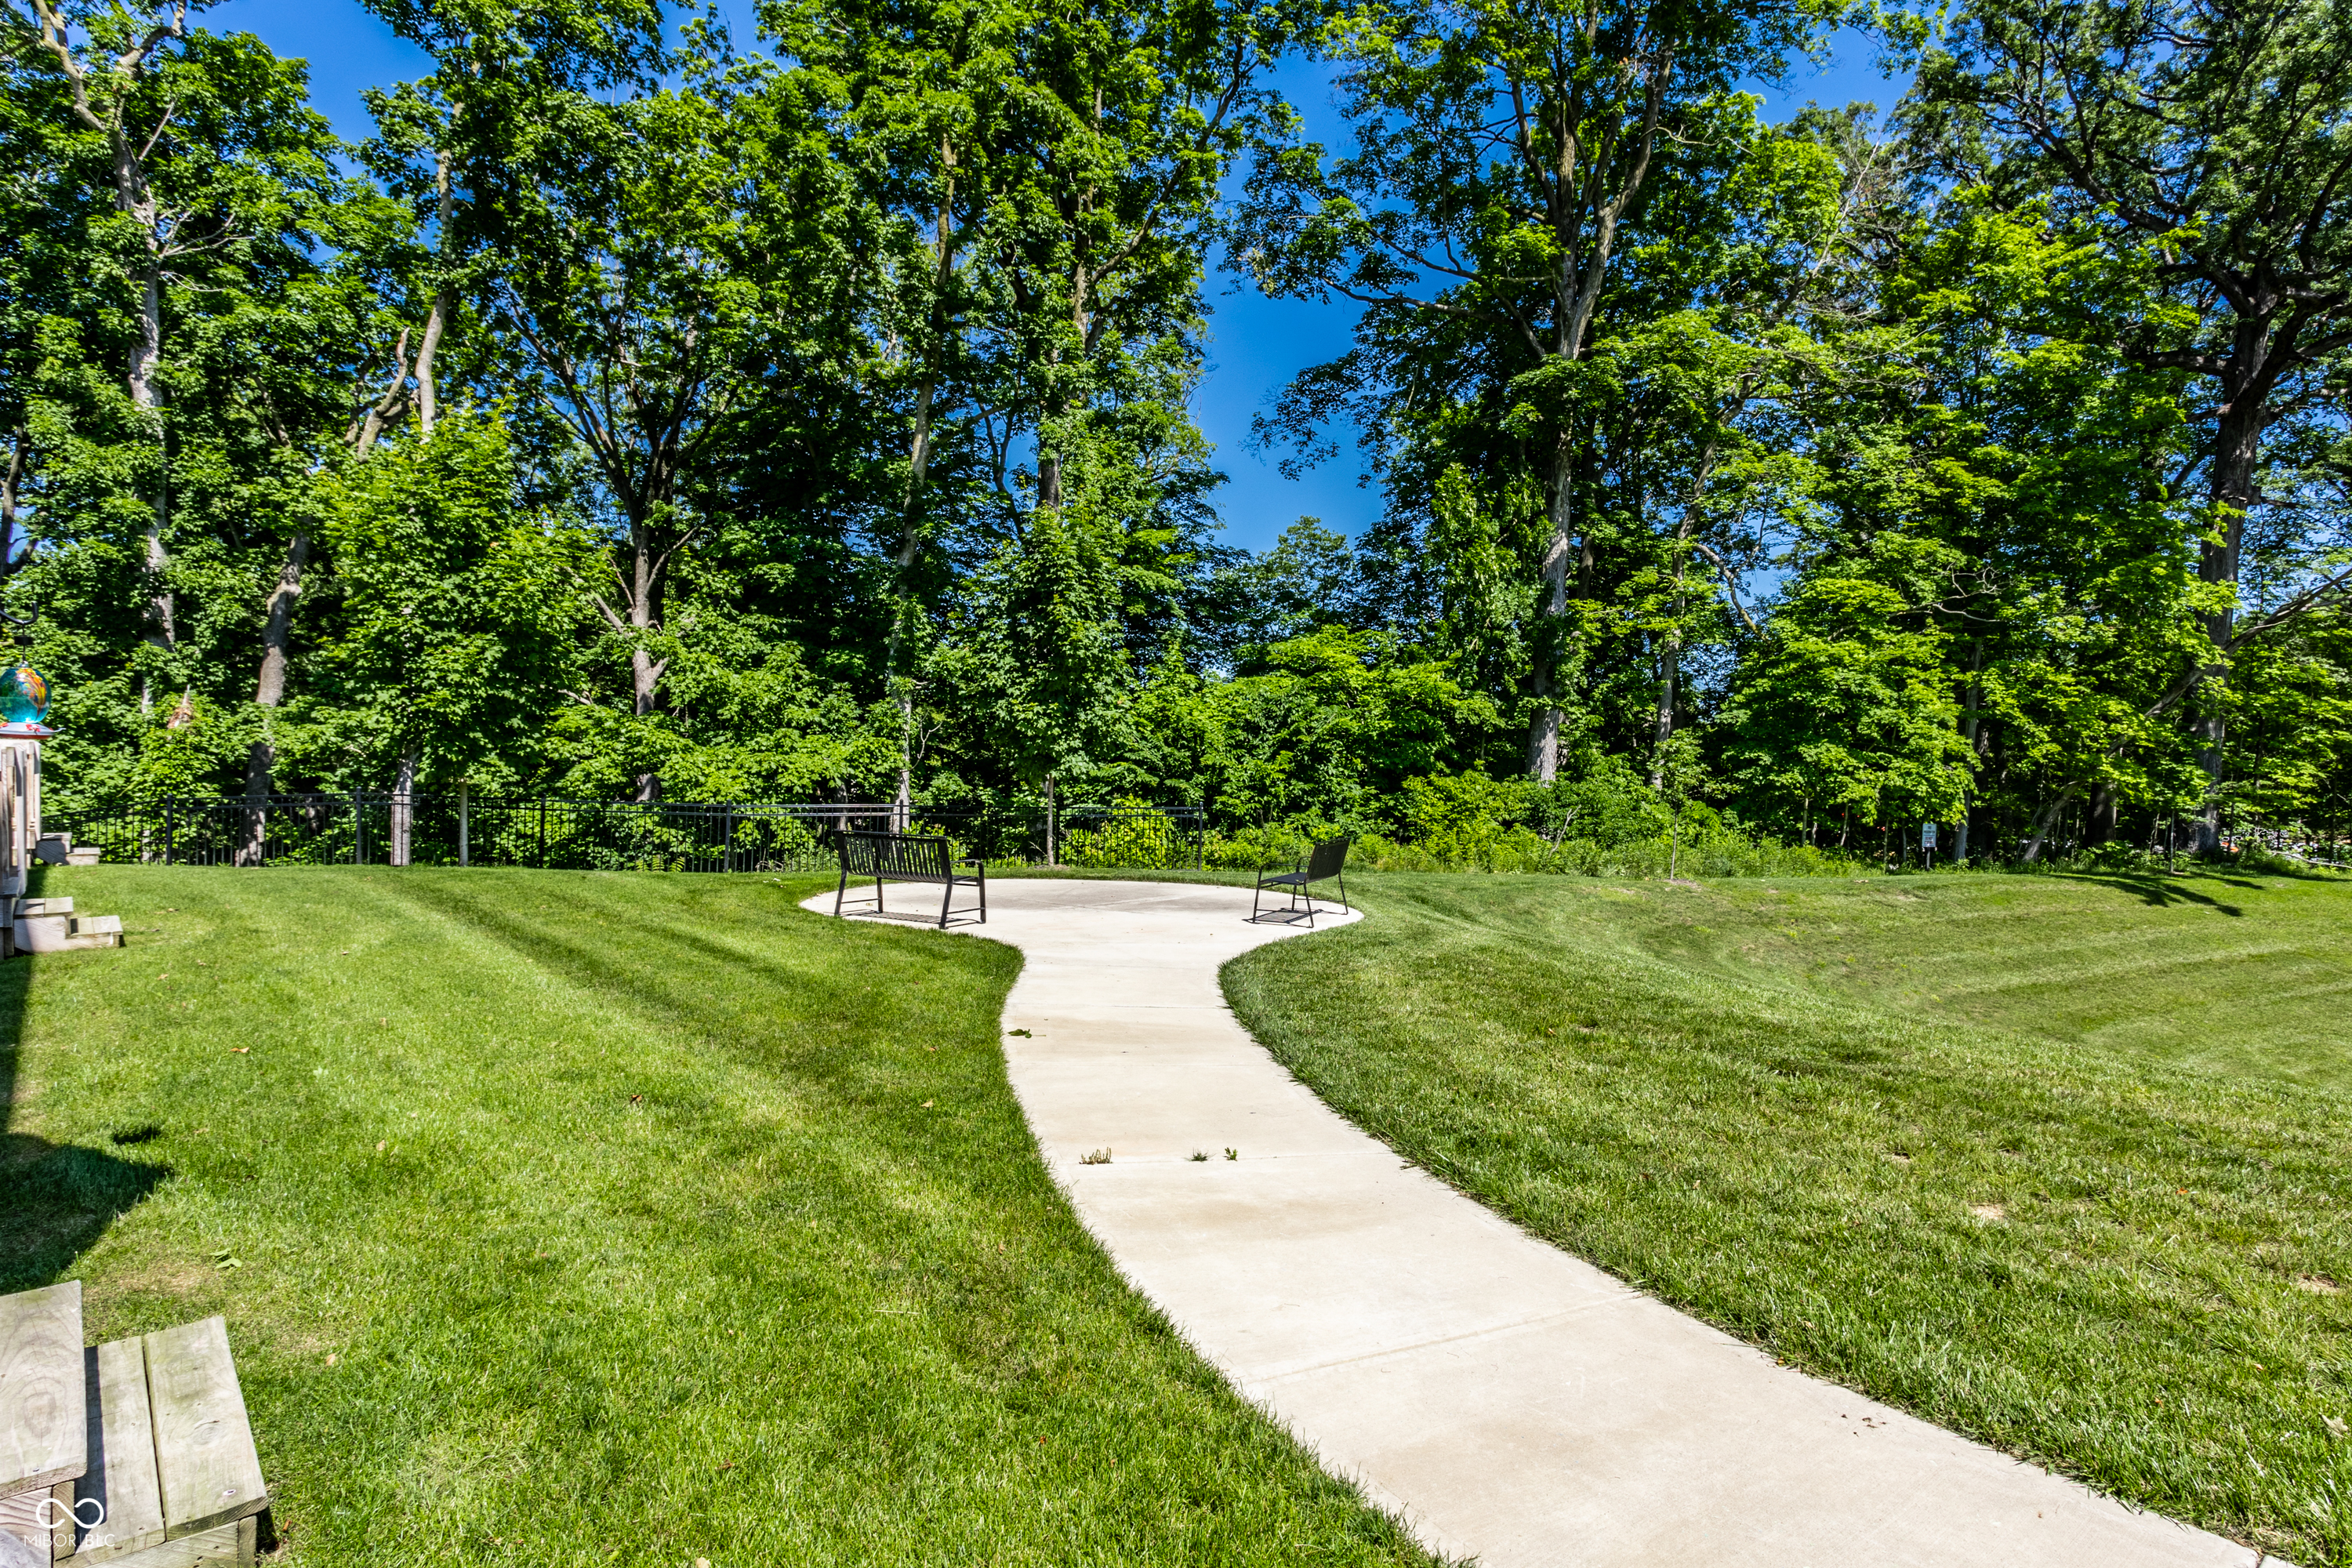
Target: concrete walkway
(1508, 1400)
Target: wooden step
(119, 1501)
(44, 1428)
(205, 1461)
(166, 1475)
(178, 1482)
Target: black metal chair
(1325, 861)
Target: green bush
(1710, 848)
(1261, 848)
(1145, 843)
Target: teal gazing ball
(24, 695)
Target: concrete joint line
(1468, 1337)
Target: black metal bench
(1328, 859)
(907, 857)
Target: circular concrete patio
(1506, 1399)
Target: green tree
(1502, 153)
(1987, 487)
(2201, 147)
(460, 610)
(181, 352)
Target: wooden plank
(122, 1477)
(20, 1513)
(204, 1464)
(43, 1419)
(213, 1548)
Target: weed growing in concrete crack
(1095, 1157)
(1198, 1157)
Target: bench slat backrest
(1329, 857)
(893, 855)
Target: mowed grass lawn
(2064, 1163)
(576, 1219)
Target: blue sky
(1256, 344)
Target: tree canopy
(643, 411)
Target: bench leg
(840, 892)
(947, 897)
(878, 895)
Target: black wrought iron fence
(1142, 837)
(2292, 841)
(577, 835)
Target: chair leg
(983, 895)
(947, 897)
(1258, 893)
(1343, 893)
(878, 895)
(840, 892)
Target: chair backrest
(893, 855)
(1327, 859)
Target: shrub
(1149, 840)
(1710, 848)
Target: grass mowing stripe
(2077, 1250)
(616, 1204)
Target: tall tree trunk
(2237, 450)
(2043, 821)
(1971, 701)
(436, 320)
(277, 621)
(269, 690)
(910, 507)
(1576, 185)
(135, 200)
(9, 488)
(404, 791)
(642, 582)
(1552, 607)
(2099, 817)
(147, 349)
(1670, 658)
(910, 538)
(388, 406)
(645, 614)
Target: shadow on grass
(2157, 888)
(654, 991)
(56, 1199)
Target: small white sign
(1926, 836)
